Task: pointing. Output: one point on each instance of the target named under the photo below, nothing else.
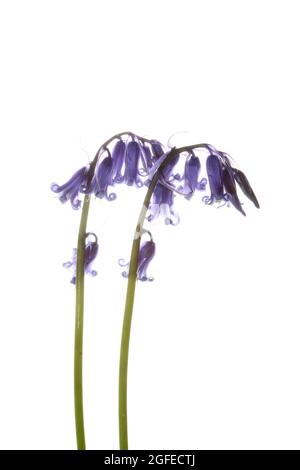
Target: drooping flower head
(218, 171)
(125, 158)
(146, 254)
(90, 253)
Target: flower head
(146, 254)
(71, 189)
(90, 253)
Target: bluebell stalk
(166, 174)
(161, 190)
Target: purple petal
(244, 184)
(162, 204)
(103, 177)
(157, 149)
(118, 155)
(146, 254)
(70, 190)
(230, 188)
(131, 163)
(191, 173)
(73, 182)
(215, 177)
(90, 253)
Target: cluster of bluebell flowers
(133, 161)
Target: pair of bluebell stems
(132, 160)
(165, 173)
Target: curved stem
(123, 433)
(78, 400)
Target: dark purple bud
(230, 188)
(90, 253)
(118, 155)
(131, 163)
(215, 177)
(103, 179)
(70, 190)
(146, 254)
(244, 184)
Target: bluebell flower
(103, 178)
(132, 158)
(162, 205)
(215, 178)
(118, 155)
(190, 178)
(146, 254)
(90, 253)
(163, 195)
(71, 189)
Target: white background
(215, 351)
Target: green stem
(123, 434)
(78, 400)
